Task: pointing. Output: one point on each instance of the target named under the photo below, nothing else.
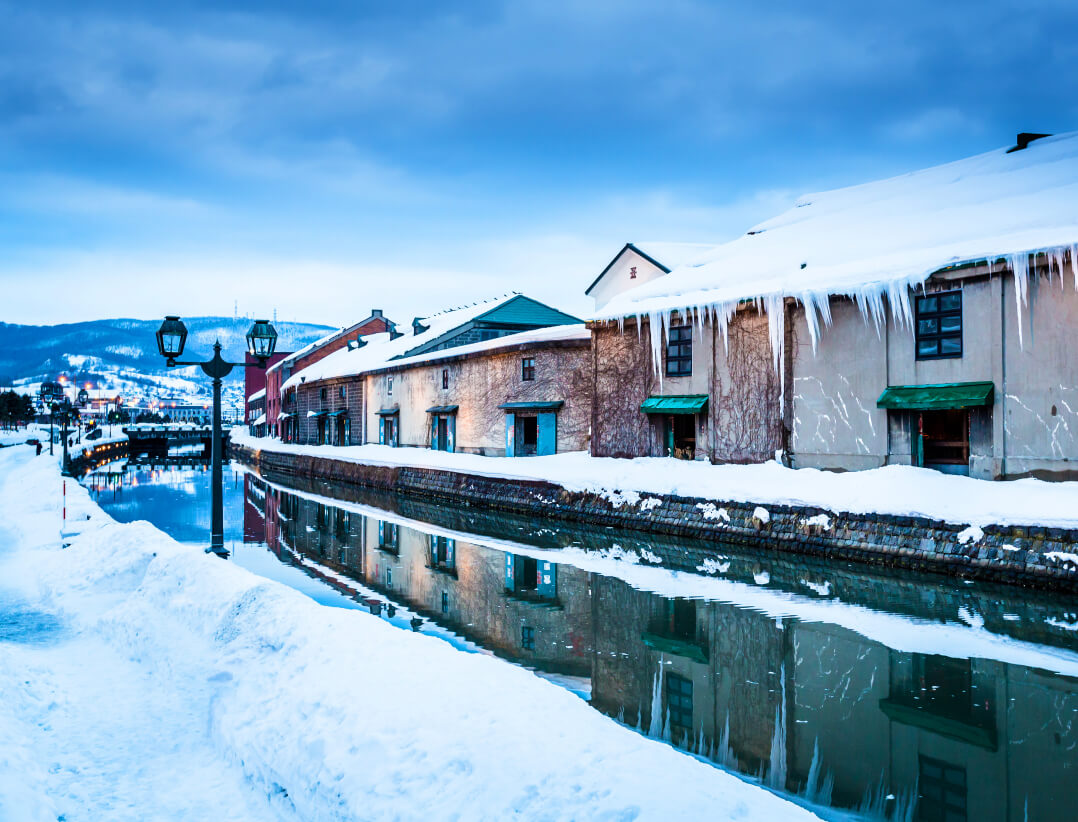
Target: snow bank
(898, 490)
(336, 715)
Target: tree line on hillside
(15, 409)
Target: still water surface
(866, 693)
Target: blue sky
(325, 158)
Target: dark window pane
(927, 348)
(928, 326)
(951, 345)
(927, 304)
(951, 302)
(949, 324)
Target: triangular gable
(609, 265)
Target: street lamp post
(261, 342)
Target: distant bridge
(157, 439)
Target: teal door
(548, 433)
(510, 435)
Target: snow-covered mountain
(122, 353)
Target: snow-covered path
(141, 679)
(99, 735)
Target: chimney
(376, 312)
(418, 327)
(1024, 138)
(393, 332)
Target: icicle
(1074, 264)
(701, 743)
(820, 783)
(1020, 269)
(776, 774)
(655, 730)
(724, 755)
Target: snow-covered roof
(554, 333)
(257, 395)
(261, 420)
(879, 238)
(380, 351)
(380, 348)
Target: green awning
(338, 412)
(937, 397)
(683, 404)
(443, 409)
(670, 645)
(389, 412)
(532, 406)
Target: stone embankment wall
(1036, 556)
(84, 457)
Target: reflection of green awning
(443, 409)
(921, 716)
(683, 404)
(532, 406)
(941, 397)
(670, 645)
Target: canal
(861, 691)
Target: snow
(257, 395)
(260, 420)
(156, 681)
(898, 490)
(761, 515)
(874, 241)
(972, 534)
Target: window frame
(680, 364)
(679, 690)
(527, 369)
(445, 379)
(389, 386)
(938, 314)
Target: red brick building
(276, 375)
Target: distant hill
(101, 347)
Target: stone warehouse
(505, 377)
(924, 320)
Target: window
(340, 392)
(389, 386)
(445, 378)
(679, 351)
(527, 638)
(942, 789)
(679, 702)
(322, 393)
(445, 602)
(527, 369)
(387, 534)
(389, 577)
(939, 326)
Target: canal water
(862, 692)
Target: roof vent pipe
(1024, 138)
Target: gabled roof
(881, 237)
(513, 310)
(665, 256)
(380, 350)
(330, 337)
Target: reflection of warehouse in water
(795, 703)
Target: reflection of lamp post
(261, 342)
(50, 395)
(84, 397)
